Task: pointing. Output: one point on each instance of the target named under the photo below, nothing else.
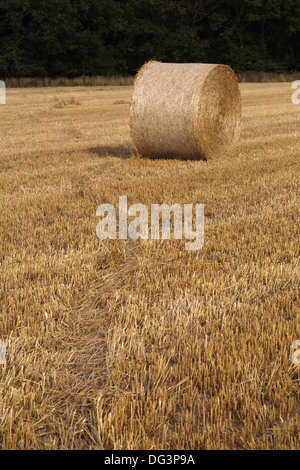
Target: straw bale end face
(187, 111)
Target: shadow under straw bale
(120, 151)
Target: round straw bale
(189, 111)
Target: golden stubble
(141, 344)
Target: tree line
(115, 37)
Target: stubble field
(123, 344)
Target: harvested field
(123, 344)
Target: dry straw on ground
(140, 344)
(189, 111)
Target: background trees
(106, 37)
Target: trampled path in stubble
(123, 344)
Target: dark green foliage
(107, 37)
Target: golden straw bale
(188, 111)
